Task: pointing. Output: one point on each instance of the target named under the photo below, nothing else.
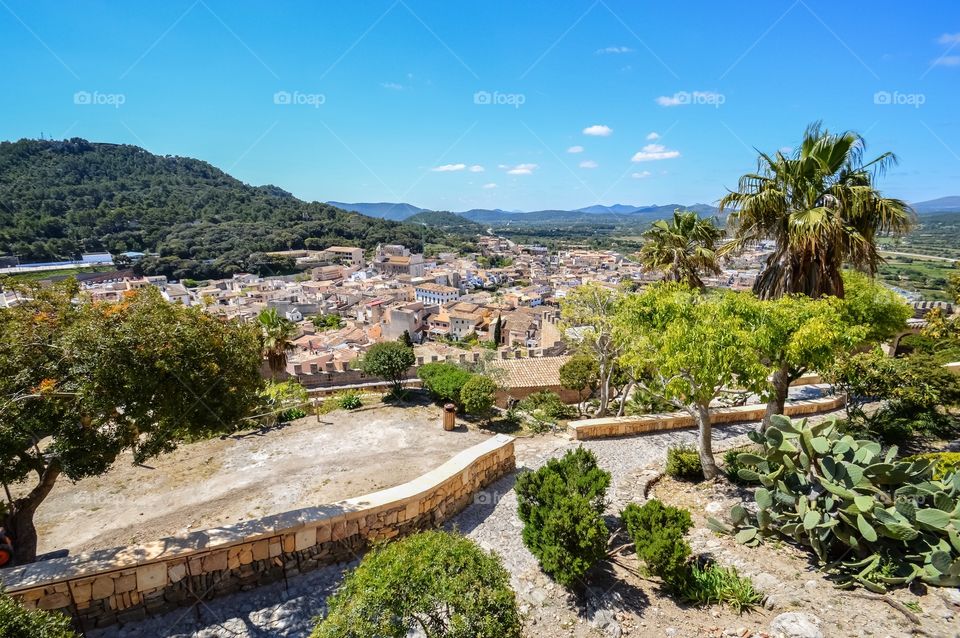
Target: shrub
(390, 361)
(292, 414)
(436, 582)
(477, 394)
(944, 463)
(349, 400)
(545, 409)
(443, 381)
(657, 531)
(683, 462)
(16, 621)
(852, 507)
(561, 506)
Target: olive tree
(390, 361)
(82, 382)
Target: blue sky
(462, 105)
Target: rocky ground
(800, 603)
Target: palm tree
(682, 248)
(821, 208)
(275, 335)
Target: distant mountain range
(403, 211)
(950, 204)
(597, 212)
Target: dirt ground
(249, 475)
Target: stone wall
(628, 425)
(126, 584)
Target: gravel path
(491, 521)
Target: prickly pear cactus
(874, 520)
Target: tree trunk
(623, 399)
(606, 371)
(701, 414)
(780, 386)
(19, 523)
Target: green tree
(693, 345)
(437, 583)
(443, 381)
(498, 331)
(406, 339)
(477, 394)
(800, 334)
(580, 373)
(81, 383)
(390, 361)
(821, 208)
(275, 335)
(327, 322)
(587, 314)
(682, 248)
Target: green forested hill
(61, 198)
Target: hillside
(384, 210)
(62, 198)
(446, 221)
(949, 204)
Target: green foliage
(682, 248)
(285, 399)
(912, 387)
(580, 373)
(443, 381)
(349, 400)
(406, 339)
(440, 583)
(100, 378)
(62, 198)
(545, 409)
(714, 585)
(275, 335)
(820, 206)
(18, 622)
(561, 506)
(327, 322)
(657, 531)
(852, 507)
(477, 394)
(390, 361)
(683, 462)
(944, 463)
(732, 463)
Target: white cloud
(588, 164)
(575, 149)
(598, 130)
(476, 168)
(653, 136)
(654, 152)
(521, 169)
(490, 185)
(393, 86)
(641, 175)
(947, 60)
(949, 38)
(614, 50)
(448, 168)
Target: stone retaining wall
(126, 584)
(628, 425)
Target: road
(919, 256)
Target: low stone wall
(126, 584)
(629, 425)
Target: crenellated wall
(126, 584)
